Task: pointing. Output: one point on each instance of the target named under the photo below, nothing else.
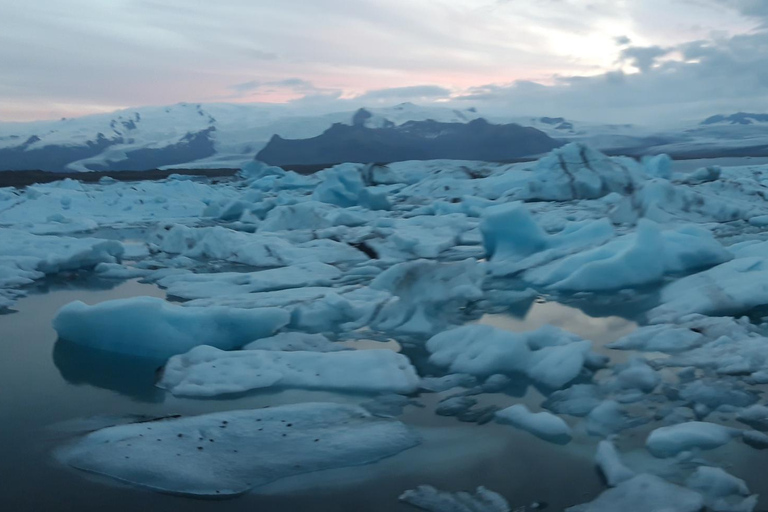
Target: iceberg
(206, 371)
(152, 327)
(543, 425)
(229, 453)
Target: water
(45, 383)
(728, 161)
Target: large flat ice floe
(206, 371)
(229, 453)
(152, 327)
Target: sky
(641, 61)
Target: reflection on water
(729, 161)
(130, 376)
(45, 382)
(601, 330)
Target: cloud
(293, 84)
(413, 92)
(709, 76)
(643, 57)
(57, 55)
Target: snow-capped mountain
(184, 135)
(221, 135)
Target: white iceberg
(206, 371)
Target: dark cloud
(721, 75)
(643, 57)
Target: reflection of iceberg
(128, 375)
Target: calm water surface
(47, 385)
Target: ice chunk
(755, 416)
(609, 418)
(544, 425)
(510, 233)
(152, 327)
(723, 492)
(659, 338)
(206, 371)
(430, 499)
(577, 171)
(637, 259)
(669, 441)
(576, 400)
(310, 215)
(548, 355)
(455, 405)
(730, 288)
(426, 294)
(513, 241)
(661, 201)
(658, 166)
(343, 186)
(199, 286)
(296, 341)
(446, 382)
(644, 493)
(258, 250)
(636, 374)
(229, 453)
(610, 464)
(25, 258)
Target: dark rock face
(414, 140)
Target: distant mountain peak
(743, 118)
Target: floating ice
(229, 453)
(295, 341)
(428, 498)
(152, 327)
(206, 371)
(732, 288)
(644, 493)
(577, 171)
(549, 356)
(544, 425)
(722, 492)
(25, 258)
(258, 250)
(637, 259)
(659, 338)
(669, 441)
(610, 464)
(426, 295)
(199, 286)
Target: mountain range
(221, 135)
